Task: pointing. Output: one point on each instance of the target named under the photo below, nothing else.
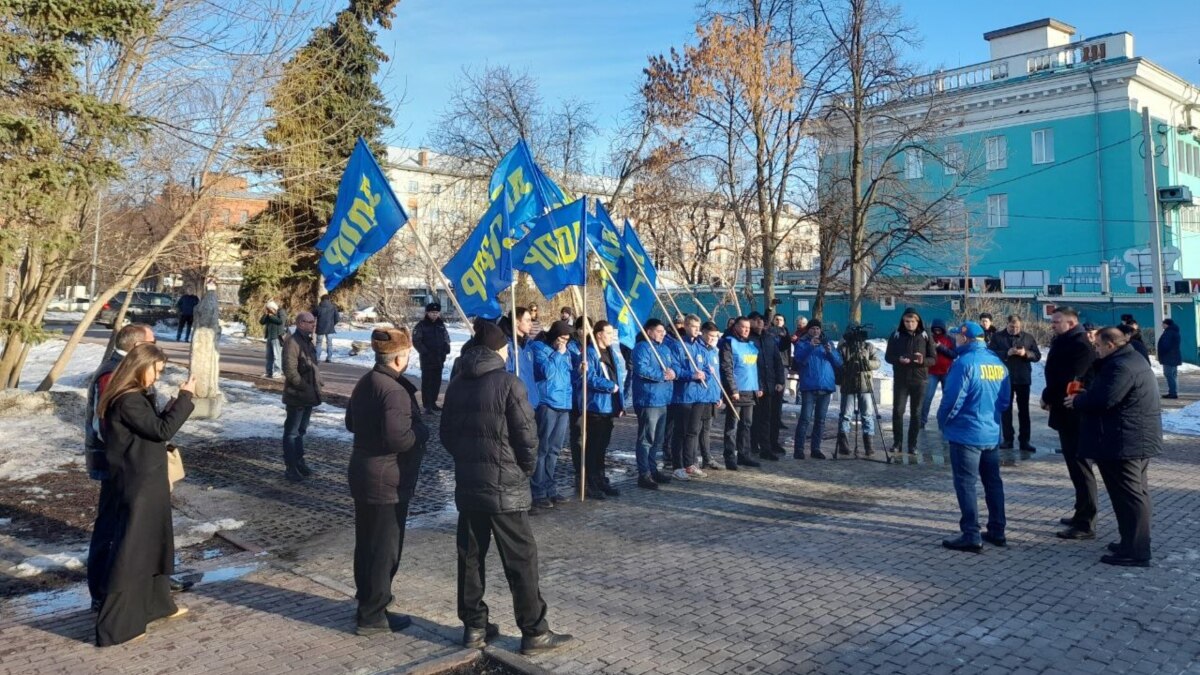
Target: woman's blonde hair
(128, 375)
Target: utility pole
(96, 245)
(1156, 261)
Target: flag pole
(583, 400)
(624, 301)
(445, 282)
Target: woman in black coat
(1120, 428)
(143, 549)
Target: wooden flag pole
(586, 327)
(445, 282)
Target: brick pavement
(810, 566)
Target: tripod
(857, 362)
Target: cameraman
(860, 359)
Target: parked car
(148, 308)
(365, 314)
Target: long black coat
(135, 441)
(1071, 357)
(1120, 417)
(904, 343)
(389, 438)
(301, 371)
(1020, 368)
(488, 428)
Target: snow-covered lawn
(343, 339)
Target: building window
(413, 186)
(997, 152)
(1187, 156)
(953, 160)
(243, 216)
(914, 167)
(887, 302)
(1024, 278)
(997, 206)
(1043, 146)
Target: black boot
(744, 460)
(843, 444)
(302, 467)
(867, 449)
(477, 638)
(293, 474)
(536, 644)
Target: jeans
(969, 463)
(328, 337)
(294, 428)
(552, 433)
(814, 407)
(1172, 375)
(652, 423)
(274, 356)
(861, 404)
(931, 387)
(1020, 395)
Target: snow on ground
(1185, 421)
(342, 341)
(189, 532)
(48, 562)
(64, 317)
(77, 373)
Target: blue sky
(595, 51)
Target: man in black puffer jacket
(1070, 360)
(1121, 429)
(488, 428)
(911, 351)
(1019, 351)
(389, 443)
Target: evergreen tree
(326, 98)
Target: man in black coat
(1121, 429)
(1019, 351)
(327, 320)
(187, 312)
(772, 378)
(1070, 359)
(389, 443)
(1170, 356)
(488, 428)
(911, 351)
(301, 393)
(432, 342)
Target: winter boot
(843, 444)
(867, 449)
(293, 474)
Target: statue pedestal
(206, 358)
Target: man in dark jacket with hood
(911, 351)
(1170, 355)
(1018, 351)
(389, 443)
(488, 428)
(432, 342)
(327, 319)
(1070, 360)
(301, 393)
(1121, 429)
(772, 378)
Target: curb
(516, 661)
(446, 663)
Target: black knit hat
(489, 335)
(815, 323)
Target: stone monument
(206, 357)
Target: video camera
(856, 333)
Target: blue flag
(365, 217)
(483, 266)
(554, 252)
(527, 192)
(637, 276)
(614, 250)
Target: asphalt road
(236, 359)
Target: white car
(365, 314)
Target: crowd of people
(519, 393)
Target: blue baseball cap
(970, 330)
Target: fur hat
(489, 335)
(390, 340)
(433, 307)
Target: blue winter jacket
(817, 365)
(600, 382)
(650, 390)
(687, 390)
(524, 356)
(553, 373)
(976, 392)
(707, 359)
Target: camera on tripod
(856, 333)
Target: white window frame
(914, 164)
(997, 152)
(953, 160)
(414, 186)
(887, 302)
(997, 210)
(1043, 146)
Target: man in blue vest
(739, 374)
(975, 394)
(653, 376)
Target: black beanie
(489, 335)
(815, 323)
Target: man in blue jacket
(696, 383)
(653, 376)
(977, 391)
(605, 372)
(552, 370)
(817, 362)
(520, 359)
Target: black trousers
(599, 435)
(1020, 396)
(1129, 491)
(912, 395)
(765, 430)
(431, 379)
(777, 419)
(676, 433)
(518, 555)
(185, 321)
(698, 427)
(576, 434)
(738, 436)
(103, 530)
(1082, 478)
(378, 542)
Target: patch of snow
(84, 361)
(40, 433)
(50, 562)
(64, 317)
(189, 532)
(342, 342)
(5, 522)
(1185, 421)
